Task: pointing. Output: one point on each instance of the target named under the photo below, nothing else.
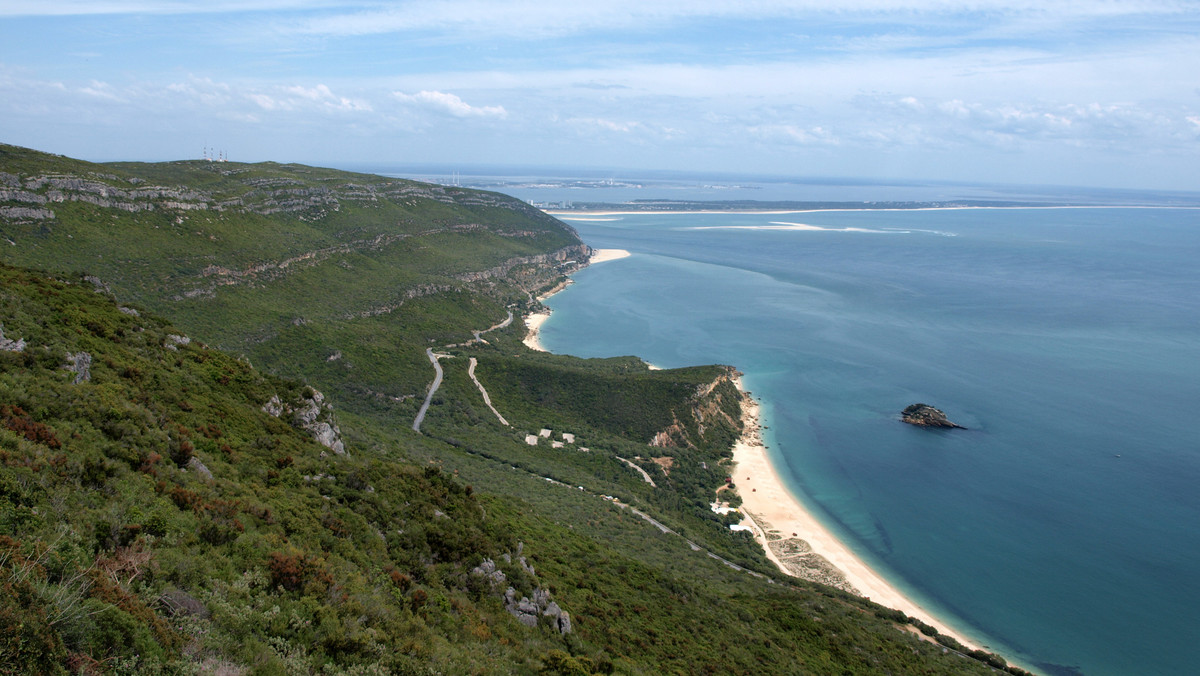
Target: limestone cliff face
(555, 263)
(715, 406)
(29, 198)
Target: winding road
(437, 379)
(663, 528)
(437, 382)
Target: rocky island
(924, 415)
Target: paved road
(437, 382)
(437, 379)
(501, 325)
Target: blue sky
(1071, 92)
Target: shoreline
(810, 551)
(534, 321)
(587, 215)
(803, 547)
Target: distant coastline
(624, 210)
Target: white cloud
(793, 134)
(263, 101)
(321, 96)
(101, 90)
(1117, 126)
(604, 124)
(450, 103)
(299, 98)
(201, 90)
(244, 102)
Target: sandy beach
(533, 322)
(604, 255)
(795, 541)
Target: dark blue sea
(1062, 529)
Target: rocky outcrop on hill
(924, 415)
(574, 256)
(527, 611)
(79, 363)
(311, 414)
(9, 345)
(25, 214)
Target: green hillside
(208, 461)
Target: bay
(1061, 528)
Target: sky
(1099, 93)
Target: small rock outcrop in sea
(924, 415)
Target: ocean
(1062, 529)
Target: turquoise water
(1063, 528)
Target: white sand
(534, 323)
(772, 507)
(603, 255)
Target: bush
(295, 571)
(28, 644)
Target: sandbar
(795, 540)
(604, 255)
